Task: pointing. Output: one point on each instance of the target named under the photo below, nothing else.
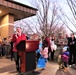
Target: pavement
(7, 67)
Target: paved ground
(7, 67)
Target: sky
(67, 11)
(26, 2)
(62, 3)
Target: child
(43, 56)
(63, 59)
(38, 50)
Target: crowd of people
(5, 46)
(64, 46)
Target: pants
(17, 60)
(72, 57)
(7, 49)
(3, 51)
(52, 55)
(65, 64)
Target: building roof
(17, 9)
(12, 1)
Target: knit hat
(65, 48)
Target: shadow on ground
(33, 72)
(10, 69)
(61, 72)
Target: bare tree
(72, 5)
(70, 20)
(47, 19)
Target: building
(11, 11)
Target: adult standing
(72, 49)
(61, 42)
(19, 36)
(3, 47)
(53, 47)
(7, 46)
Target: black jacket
(72, 43)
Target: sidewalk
(7, 67)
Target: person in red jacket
(16, 38)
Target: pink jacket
(45, 52)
